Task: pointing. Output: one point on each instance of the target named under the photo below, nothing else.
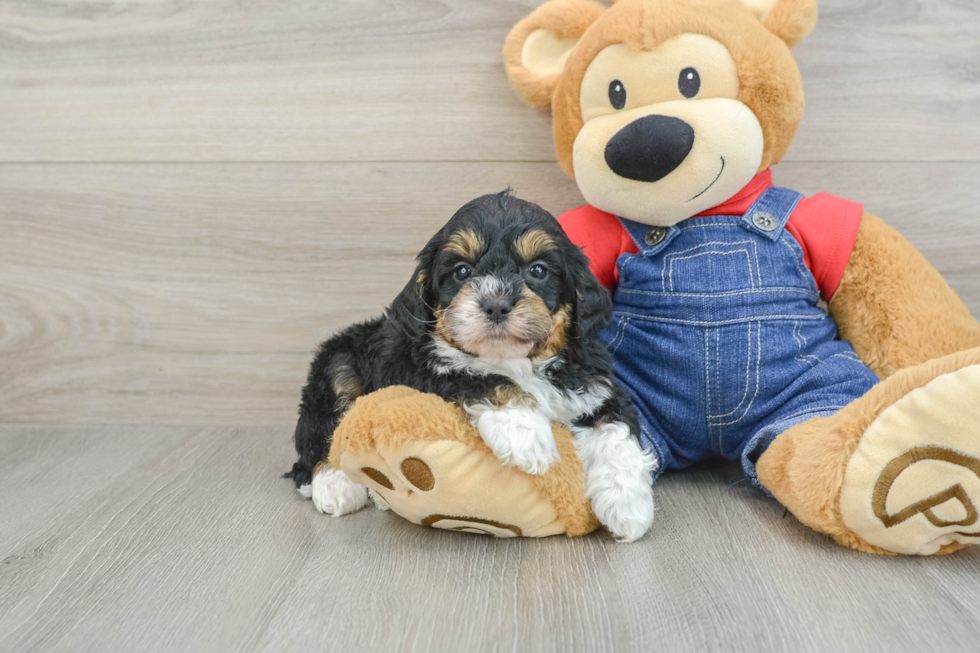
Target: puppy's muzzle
(496, 297)
(497, 309)
(649, 148)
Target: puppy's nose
(497, 309)
(650, 148)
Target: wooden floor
(194, 193)
(145, 538)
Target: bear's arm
(894, 308)
(601, 237)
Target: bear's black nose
(649, 148)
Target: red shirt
(825, 227)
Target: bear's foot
(913, 484)
(897, 471)
(417, 455)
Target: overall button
(655, 235)
(761, 219)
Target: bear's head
(663, 108)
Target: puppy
(502, 317)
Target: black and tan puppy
(501, 316)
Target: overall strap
(649, 240)
(770, 213)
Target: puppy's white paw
(335, 494)
(517, 435)
(378, 502)
(618, 480)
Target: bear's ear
(537, 47)
(790, 20)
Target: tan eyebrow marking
(531, 244)
(467, 244)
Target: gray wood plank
(184, 538)
(420, 80)
(195, 294)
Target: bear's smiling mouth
(712, 183)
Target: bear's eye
(689, 82)
(617, 94)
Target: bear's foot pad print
(432, 484)
(419, 456)
(912, 486)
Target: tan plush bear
(863, 418)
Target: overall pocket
(713, 267)
(733, 357)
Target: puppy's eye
(617, 94)
(462, 272)
(538, 271)
(689, 82)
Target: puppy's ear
(537, 47)
(414, 305)
(790, 20)
(593, 303)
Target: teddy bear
(801, 336)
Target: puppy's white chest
(551, 402)
(556, 404)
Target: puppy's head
(502, 280)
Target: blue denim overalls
(718, 337)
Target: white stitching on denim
(712, 242)
(797, 258)
(612, 341)
(622, 267)
(699, 225)
(749, 318)
(615, 338)
(669, 258)
(748, 367)
(661, 460)
(718, 394)
(801, 345)
(748, 259)
(806, 343)
(719, 400)
(707, 378)
(808, 411)
(620, 334)
(758, 367)
(849, 356)
(659, 452)
(757, 291)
